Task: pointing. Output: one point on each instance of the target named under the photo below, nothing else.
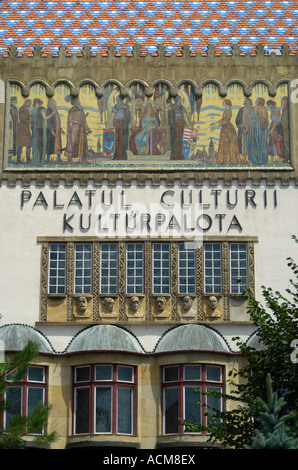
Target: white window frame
(190, 287)
(58, 270)
(111, 288)
(134, 288)
(212, 285)
(164, 286)
(235, 287)
(85, 287)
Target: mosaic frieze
(129, 128)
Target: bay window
(104, 399)
(24, 396)
(183, 400)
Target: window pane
(192, 372)
(57, 268)
(171, 374)
(36, 374)
(213, 373)
(125, 410)
(212, 268)
(186, 268)
(161, 274)
(35, 395)
(192, 409)
(83, 268)
(14, 398)
(134, 268)
(125, 374)
(82, 374)
(109, 268)
(103, 413)
(82, 410)
(171, 424)
(103, 373)
(238, 267)
(213, 401)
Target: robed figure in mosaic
(24, 138)
(54, 131)
(77, 131)
(145, 140)
(178, 120)
(243, 122)
(39, 132)
(228, 150)
(120, 120)
(259, 149)
(13, 126)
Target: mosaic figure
(286, 126)
(259, 149)
(13, 126)
(145, 140)
(120, 122)
(228, 150)
(276, 132)
(178, 120)
(243, 122)
(54, 131)
(24, 138)
(77, 131)
(39, 133)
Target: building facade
(137, 188)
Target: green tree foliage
(273, 432)
(20, 426)
(277, 326)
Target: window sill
(145, 323)
(101, 440)
(184, 440)
(56, 296)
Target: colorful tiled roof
(99, 24)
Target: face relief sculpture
(212, 302)
(186, 303)
(109, 303)
(82, 304)
(160, 304)
(134, 304)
